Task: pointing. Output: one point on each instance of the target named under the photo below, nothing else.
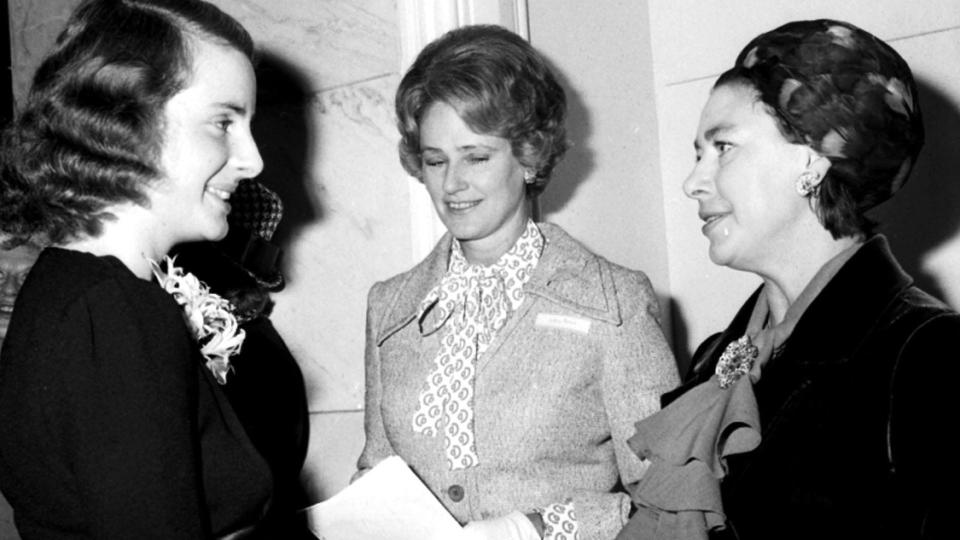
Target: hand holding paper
(388, 502)
(513, 526)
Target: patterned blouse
(471, 304)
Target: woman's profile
(134, 135)
(822, 404)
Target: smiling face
(14, 265)
(475, 182)
(207, 145)
(744, 182)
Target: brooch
(736, 361)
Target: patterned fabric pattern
(472, 303)
(255, 208)
(560, 522)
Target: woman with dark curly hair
(509, 366)
(824, 403)
(135, 133)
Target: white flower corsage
(208, 315)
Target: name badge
(563, 322)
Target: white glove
(513, 526)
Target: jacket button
(455, 492)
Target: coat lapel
(574, 278)
(568, 276)
(827, 336)
(837, 321)
(402, 308)
(830, 333)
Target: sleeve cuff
(560, 522)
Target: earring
(529, 176)
(807, 183)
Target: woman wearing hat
(838, 363)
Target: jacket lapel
(402, 308)
(827, 336)
(574, 278)
(837, 321)
(830, 334)
(567, 276)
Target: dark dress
(856, 412)
(112, 426)
(265, 388)
(267, 392)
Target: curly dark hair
(849, 96)
(89, 136)
(498, 84)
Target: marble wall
(606, 191)
(327, 77)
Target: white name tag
(563, 322)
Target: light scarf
(762, 339)
(472, 303)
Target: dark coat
(110, 425)
(855, 413)
(265, 387)
(266, 390)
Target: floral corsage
(208, 315)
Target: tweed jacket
(556, 393)
(854, 413)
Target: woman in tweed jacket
(509, 367)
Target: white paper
(389, 502)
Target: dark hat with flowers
(846, 94)
(254, 216)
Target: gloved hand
(513, 526)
